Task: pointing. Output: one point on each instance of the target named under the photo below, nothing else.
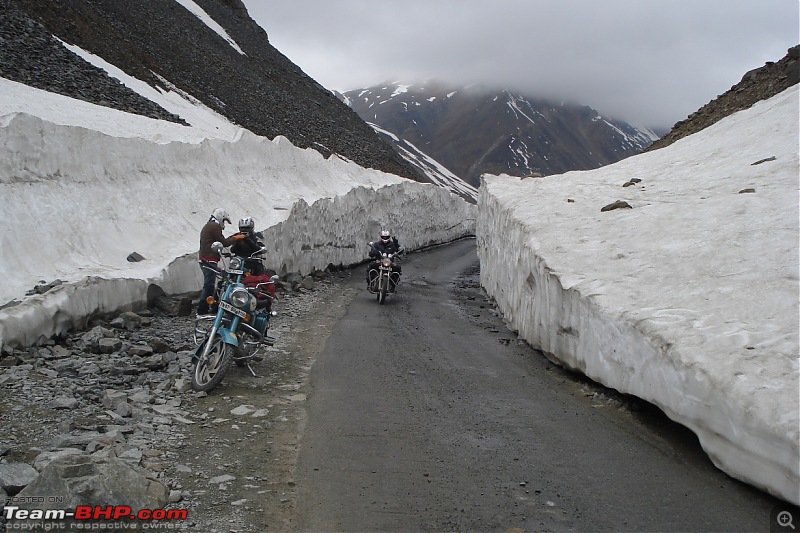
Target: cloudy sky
(651, 63)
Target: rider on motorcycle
(386, 245)
(248, 245)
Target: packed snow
(84, 186)
(688, 299)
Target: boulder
(83, 480)
(15, 476)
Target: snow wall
(97, 198)
(689, 300)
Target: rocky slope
(245, 79)
(106, 416)
(758, 84)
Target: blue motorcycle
(239, 328)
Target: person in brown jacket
(208, 258)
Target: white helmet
(221, 216)
(385, 235)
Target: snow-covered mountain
(474, 130)
(428, 166)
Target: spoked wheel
(208, 372)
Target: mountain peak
(476, 129)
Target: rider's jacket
(211, 233)
(379, 247)
(247, 247)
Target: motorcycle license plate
(235, 272)
(225, 306)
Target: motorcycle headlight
(242, 299)
(236, 263)
(386, 262)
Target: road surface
(427, 414)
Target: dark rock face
(31, 55)
(756, 85)
(162, 42)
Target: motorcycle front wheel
(209, 372)
(382, 291)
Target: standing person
(211, 233)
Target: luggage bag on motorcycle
(251, 281)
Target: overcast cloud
(649, 63)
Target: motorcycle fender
(228, 337)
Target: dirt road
(422, 414)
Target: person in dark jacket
(386, 245)
(247, 246)
(208, 258)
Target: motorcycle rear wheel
(209, 372)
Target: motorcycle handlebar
(255, 291)
(371, 244)
(212, 269)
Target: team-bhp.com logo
(90, 516)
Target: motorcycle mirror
(217, 246)
(371, 243)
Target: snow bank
(689, 300)
(78, 202)
(336, 231)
